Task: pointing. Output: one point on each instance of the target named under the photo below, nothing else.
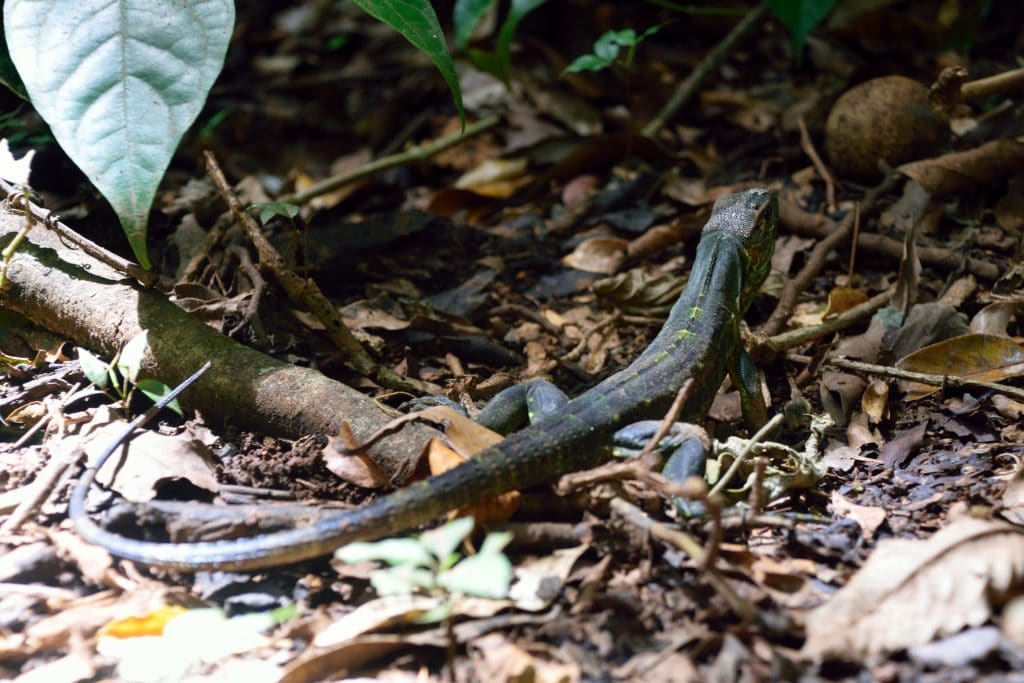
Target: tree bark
(74, 295)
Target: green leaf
(486, 576)
(156, 390)
(401, 580)
(587, 63)
(466, 15)
(119, 83)
(607, 47)
(94, 369)
(800, 17)
(129, 361)
(416, 20)
(394, 551)
(269, 210)
(495, 542)
(518, 10)
(443, 540)
(433, 616)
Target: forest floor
(883, 542)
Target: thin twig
(419, 153)
(926, 378)
(689, 86)
(578, 350)
(308, 293)
(807, 145)
(852, 316)
(129, 268)
(816, 261)
(686, 543)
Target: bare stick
(686, 543)
(807, 145)
(146, 277)
(925, 378)
(418, 153)
(852, 316)
(689, 86)
(307, 293)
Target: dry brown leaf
(983, 357)
(842, 299)
(598, 255)
(909, 592)
(449, 201)
(497, 659)
(875, 400)
(840, 393)
(1010, 211)
(983, 165)
(867, 517)
(994, 319)
(153, 459)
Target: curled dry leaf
(875, 400)
(994, 319)
(842, 299)
(909, 592)
(982, 357)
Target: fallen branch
(69, 292)
(925, 378)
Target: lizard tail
(408, 507)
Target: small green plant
(119, 96)
(429, 564)
(468, 13)
(121, 374)
(608, 50)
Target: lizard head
(750, 216)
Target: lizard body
(699, 341)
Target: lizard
(699, 341)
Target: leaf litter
(894, 551)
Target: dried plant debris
(911, 591)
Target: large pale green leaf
(417, 21)
(119, 82)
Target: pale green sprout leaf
(94, 369)
(119, 83)
(129, 361)
(435, 615)
(495, 542)
(402, 579)
(156, 390)
(394, 551)
(587, 63)
(443, 540)
(483, 575)
(269, 210)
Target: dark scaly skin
(699, 341)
